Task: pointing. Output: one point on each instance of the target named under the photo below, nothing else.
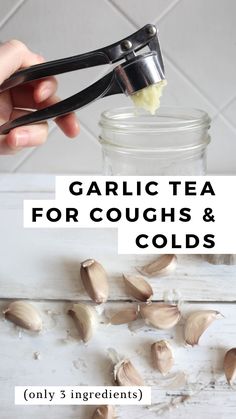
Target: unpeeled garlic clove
(84, 317)
(104, 412)
(124, 316)
(125, 374)
(160, 315)
(225, 259)
(138, 287)
(162, 356)
(196, 324)
(95, 280)
(230, 365)
(23, 314)
(161, 266)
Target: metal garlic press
(134, 73)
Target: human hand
(16, 102)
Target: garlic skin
(221, 259)
(162, 356)
(85, 320)
(230, 365)
(104, 412)
(160, 315)
(23, 314)
(138, 287)
(125, 374)
(196, 324)
(95, 281)
(161, 266)
(124, 316)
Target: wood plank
(12, 182)
(67, 361)
(44, 263)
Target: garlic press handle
(104, 87)
(108, 85)
(52, 68)
(109, 54)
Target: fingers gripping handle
(109, 54)
(102, 87)
(52, 68)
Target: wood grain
(64, 360)
(43, 265)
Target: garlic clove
(196, 324)
(95, 281)
(23, 314)
(162, 356)
(125, 374)
(138, 287)
(124, 316)
(104, 412)
(230, 365)
(160, 315)
(225, 259)
(161, 266)
(85, 320)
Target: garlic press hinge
(128, 46)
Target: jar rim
(167, 119)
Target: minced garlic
(149, 97)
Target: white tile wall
(7, 9)
(141, 12)
(198, 39)
(66, 155)
(230, 112)
(199, 36)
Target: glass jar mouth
(167, 119)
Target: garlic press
(134, 73)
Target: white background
(59, 395)
(198, 40)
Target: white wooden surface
(43, 265)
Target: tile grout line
(89, 132)
(187, 79)
(31, 152)
(179, 71)
(18, 165)
(168, 10)
(227, 122)
(184, 76)
(8, 16)
(126, 16)
(218, 112)
(228, 103)
(12, 12)
(121, 12)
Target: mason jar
(171, 142)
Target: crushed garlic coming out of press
(149, 97)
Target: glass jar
(171, 142)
